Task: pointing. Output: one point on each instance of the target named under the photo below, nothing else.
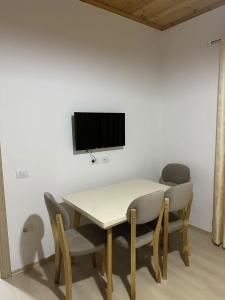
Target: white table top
(107, 206)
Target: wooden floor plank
(203, 280)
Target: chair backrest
(175, 173)
(147, 207)
(179, 196)
(55, 208)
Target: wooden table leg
(165, 237)
(109, 264)
(76, 220)
(133, 255)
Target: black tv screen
(99, 130)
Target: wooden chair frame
(62, 252)
(154, 243)
(186, 246)
(62, 247)
(165, 237)
(185, 215)
(58, 255)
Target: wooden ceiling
(160, 14)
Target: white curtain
(219, 179)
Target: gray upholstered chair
(173, 174)
(137, 233)
(87, 239)
(180, 200)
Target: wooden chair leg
(66, 257)
(165, 256)
(76, 221)
(68, 278)
(185, 246)
(189, 249)
(57, 263)
(156, 261)
(133, 254)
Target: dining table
(107, 207)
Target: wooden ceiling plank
(180, 10)
(159, 14)
(133, 6)
(121, 13)
(155, 7)
(194, 14)
(122, 5)
(113, 3)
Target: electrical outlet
(105, 160)
(22, 173)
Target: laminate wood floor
(203, 280)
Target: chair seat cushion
(86, 239)
(175, 222)
(121, 235)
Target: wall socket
(22, 173)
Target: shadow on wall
(31, 250)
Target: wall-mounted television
(98, 130)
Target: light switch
(22, 173)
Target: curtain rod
(211, 43)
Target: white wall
(190, 79)
(58, 57)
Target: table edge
(96, 221)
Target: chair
(180, 200)
(137, 233)
(87, 239)
(173, 174)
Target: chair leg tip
(164, 277)
(158, 279)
